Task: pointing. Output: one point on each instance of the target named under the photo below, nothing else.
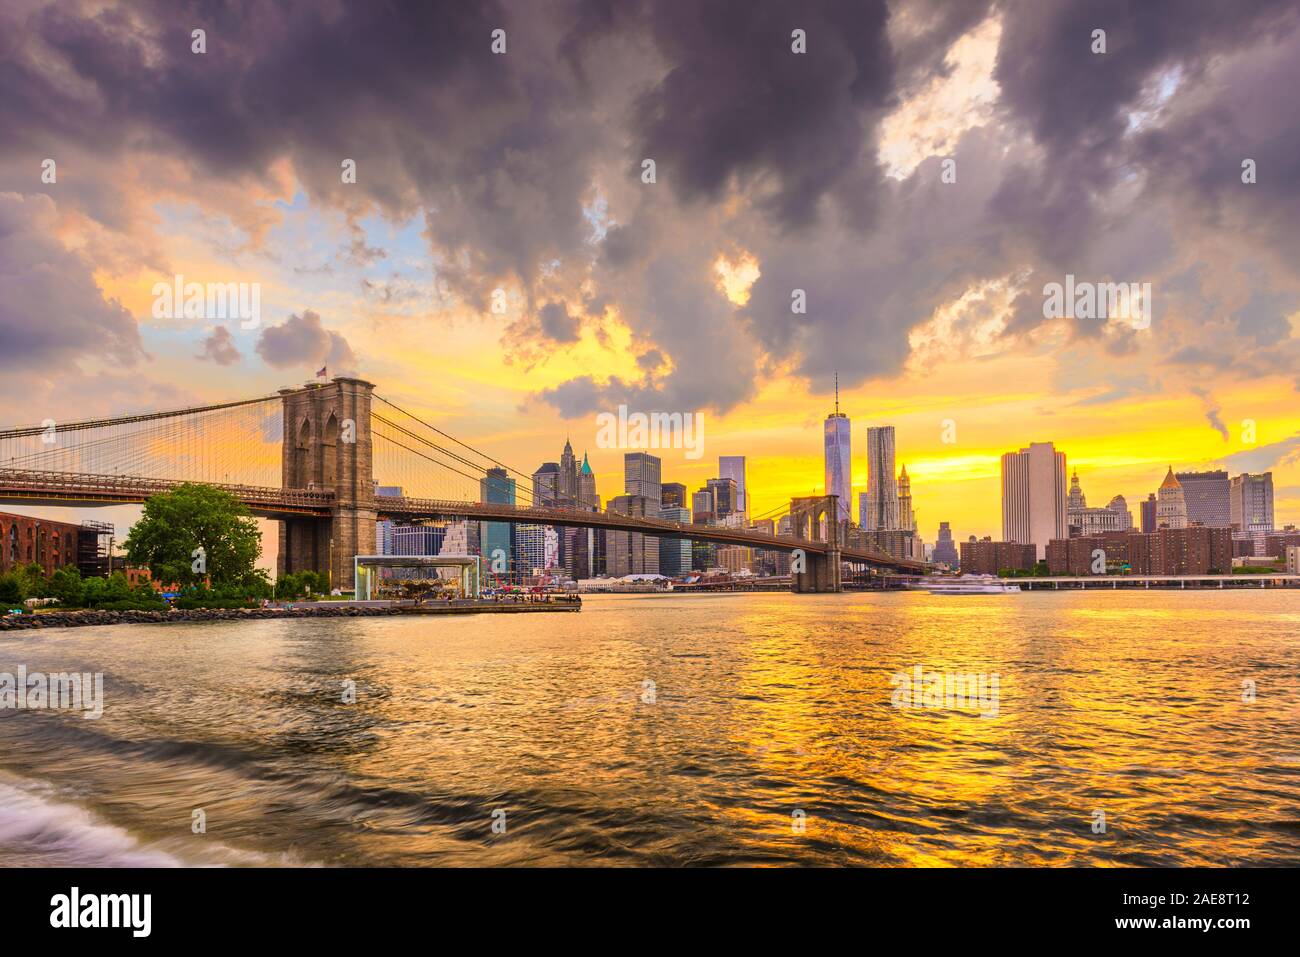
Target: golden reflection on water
(692, 729)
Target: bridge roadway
(76, 489)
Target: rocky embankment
(78, 619)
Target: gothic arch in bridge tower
(329, 441)
(300, 470)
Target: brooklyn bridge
(318, 459)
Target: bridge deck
(68, 488)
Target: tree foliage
(176, 525)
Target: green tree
(176, 524)
(66, 586)
(11, 590)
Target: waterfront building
(1207, 497)
(416, 540)
(460, 538)
(642, 475)
(1033, 497)
(1077, 555)
(1192, 550)
(384, 537)
(675, 553)
(1084, 521)
(1171, 506)
(733, 467)
(987, 557)
(945, 549)
(53, 545)
(736, 559)
(1276, 545)
(497, 539)
(895, 542)
(768, 561)
(1293, 560)
(632, 553)
(1250, 502)
(530, 549)
(837, 447)
(881, 511)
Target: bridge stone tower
(807, 517)
(327, 446)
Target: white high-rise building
(1033, 496)
(881, 512)
(837, 446)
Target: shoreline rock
(89, 617)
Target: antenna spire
(837, 392)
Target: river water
(731, 729)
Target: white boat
(967, 585)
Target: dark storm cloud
(51, 311)
(411, 92)
(757, 149)
(557, 324)
(302, 341)
(1072, 99)
(738, 107)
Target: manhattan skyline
(675, 294)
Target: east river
(1129, 728)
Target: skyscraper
(733, 467)
(672, 495)
(497, 538)
(1033, 496)
(724, 497)
(1149, 513)
(1250, 499)
(945, 550)
(703, 506)
(837, 452)
(587, 485)
(1171, 507)
(632, 553)
(675, 553)
(567, 486)
(906, 517)
(882, 488)
(546, 485)
(1206, 495)
(642, 475)
(538, 546)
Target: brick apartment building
(49, 544)
(1196, 550)
(52, 545)
(987, 557)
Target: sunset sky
(775, 171)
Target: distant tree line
(198, 538)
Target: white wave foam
(38, 829)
